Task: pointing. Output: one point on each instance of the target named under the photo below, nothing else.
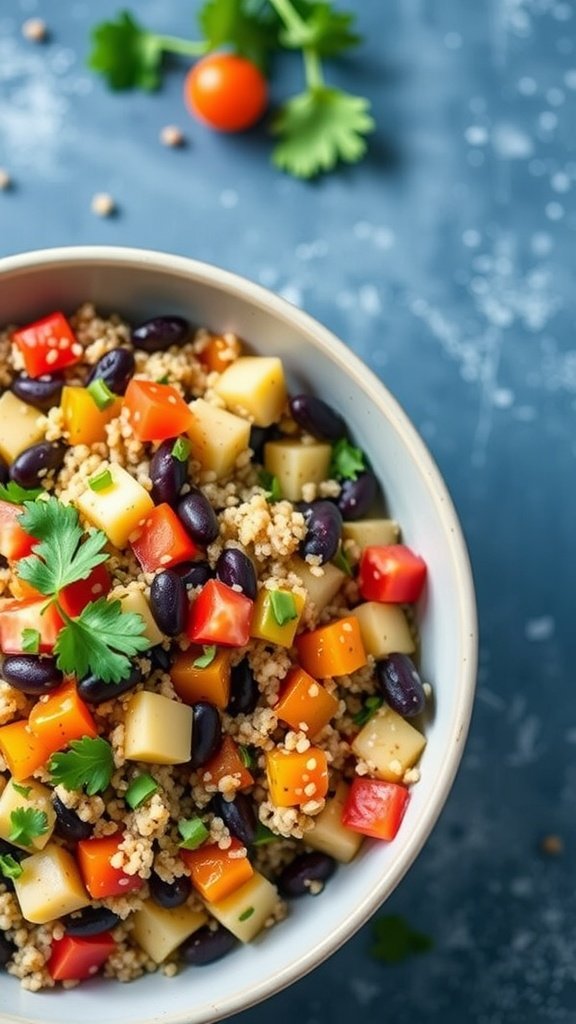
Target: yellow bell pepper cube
(84, 422)
(276, 616)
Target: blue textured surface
(446, 261)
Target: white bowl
(140, 284)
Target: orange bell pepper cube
(295, 778)
(193, 683)
(375, 808)
(391, 573)
(84, 422)
(220, 615)
(226, 761)
(157, 411)
(48, 345)
(74, 598)
(217, 873)
(73, 958)
(31, 613)
(22, 750)
(219, 353)
(163, 541)
(61, 717)
(305, 703)
(15, 543)
(100, 878)
(332, 650)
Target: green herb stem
(289, 15)
(312, 68)
(187, 47)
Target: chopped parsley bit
(102, 481)
(264, 835)
(246, 756)
(139, 790)
(371, 705)
(246, 914)
(395, 939)
(163, 380)
(30, 641)
(271, 485)
(283, 606)
(22, 790)
(341, 562)
(9, 866)
(17, 495)
(347, 461)
(89, 764)
(207, 656)
(193, 832)
(28, 823)
(181, 449)
(101, 394)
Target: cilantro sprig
(346, 461)
(10, 867)
(88, 765)
(17, 495)
(27, 824)
(62, 556)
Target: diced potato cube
(27, 794)
(254, 387)
(246, 910)
(50, 886)
(372, 531)
(389, 745)
(384, 629)
(218, 437)
(159, 932)
(296, 464)
(329, 835)
(265, 625)
(136, 601)
(118, 510)
(21, 425)
(158, 730)
(321, 589)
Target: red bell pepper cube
(15, 543)
(74, 598)
(163, 541)
(157, 411)
(375, 808)
(392, 574)
(220, 615)
(74, 959)
(100, 878)
(31, 613)
(48, 345)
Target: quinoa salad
(209, 693)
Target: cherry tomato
(226, 92)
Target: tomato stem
(189, 48)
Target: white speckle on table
(540, 629)
(35, 30)
(5, 180)
(548, 121)
(476, 135)
(103, 204)
(471, 238)
(312, 250)
(554, 211)
(561, 182)
(229, 198)
(364, 991)
(555, 97)
(541, 243)
(172, 136)
(511, 142)
(570, 78)
(527, 86)
(369, 300)
(503, 398)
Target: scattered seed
(5, 180)
(103, 204)
(552, 846)
(35, 30)
(172, 136)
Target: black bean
(7, 949)
(194, 574)
(244, 692)
(400, 685)
(357, 496)
(296, 877)
(238, 815)
(4, 472)
(31, 674)
(41, 392)
(206, 946)
(168, 602)
(235, 569)
(160, 658)
(258, 438)
(115, 368)
(33, 463)
(317, 418)
(68, 825)
(324, 528)
(167, 473)
(94, 690)
(206, 733)
(90, 921)
(170, 894)
(161, 333)
(199, 518)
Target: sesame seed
(172, 136)
(51, 356)
(35, 30)
(313, 690)
(76, 349)
(103, 204)
(5, 180)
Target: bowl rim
(350, 363)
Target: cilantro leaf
(126, 55)
(368, 710)
(346, 461)
(328, 31)
(28, 823)
(89, 763)
(61, 557)
(101, 640)
(18, 495)
(22, 790)
(318, 128)
(395, 939)
(264, 835)
(342, 562)
(271, 485)
(249, 28)
(10, 867)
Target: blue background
(445, 260)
